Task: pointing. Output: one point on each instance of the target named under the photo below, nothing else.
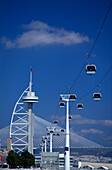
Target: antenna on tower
(30, 83)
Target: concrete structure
(9, 144)
(50, 159)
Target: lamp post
(44, 138)
(51, 130)
(42, 145)
(67, 98)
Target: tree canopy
(25, 160)
(13, 159)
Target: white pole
(45, 145)
(42, 148)
(30, 130)
(51, 142)
(31, 124)
(67, 149)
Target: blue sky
(54, 37)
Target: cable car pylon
(22, 123)
(67, 98)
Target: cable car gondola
(60, 98)
(72, 97)
(97, 96)
(55, 122)
(62, 104)
(90, 69)
(48, 133)
(51, 131)
(79, 106)
(70, 117)
(54, 134)
(62, 130)
(58, 134)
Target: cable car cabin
(62, 130)
(54, 134)
(51, 131)
(48, 133)
(79, 106)
(62, 104)
(58, 134)
(70, 117)
(72, 97)
(60, 98)
(90, 69)
(55, 122)
(97, 96)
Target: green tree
(13, 159)
(27, 159)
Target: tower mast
(29, 99)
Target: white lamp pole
(51, 142)
(51, 130)
(45, 145)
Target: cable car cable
(88, 57)
(98, 83)
(92, 46)
(56, 112)
(100, 29)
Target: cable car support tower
(22, 121)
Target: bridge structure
(76, 141)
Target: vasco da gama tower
(22, 121)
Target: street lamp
(52, 133)
(67, 98)
(41, 145)
(44, 139)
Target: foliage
(13, 159)
(27, 159)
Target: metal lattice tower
(22, 121)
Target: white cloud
(78, 119)
(91, 131)
(106, 122)
(84, 121)
(40, 33)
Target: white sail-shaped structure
(22, 121)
